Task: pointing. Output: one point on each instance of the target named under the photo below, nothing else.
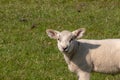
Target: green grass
(26, 52)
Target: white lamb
(84, 56)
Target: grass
(26, 53)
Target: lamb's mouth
(65, 51)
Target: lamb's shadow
(84, 51)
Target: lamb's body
(97, 55)
(84, 56)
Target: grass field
(26, 52)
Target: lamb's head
(65, 38)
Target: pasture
(27, 53)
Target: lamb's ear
(52, 33)
(79, 33)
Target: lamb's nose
(65, 48)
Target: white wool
(84, 56)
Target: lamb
(84, 56)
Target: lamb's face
(65, 39)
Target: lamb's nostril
(65, 48)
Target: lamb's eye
(59, 39)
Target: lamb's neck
(69, 56)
